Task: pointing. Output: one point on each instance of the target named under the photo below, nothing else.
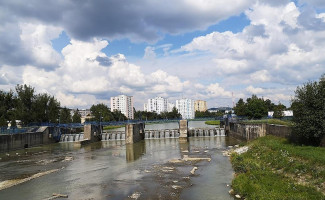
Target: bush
(309, 113)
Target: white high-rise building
(124, 104)
(157, 105)
(170, 107)
(186, 108)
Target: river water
(114, 170)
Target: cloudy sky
(83, 52)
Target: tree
(25, 99)
(76, 118)
(278, 111)
(308, 108)
(241, 108)
(256, 108)
(65, 116)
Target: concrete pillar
(134, 133)
(183, 130)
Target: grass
(274, 169)
(112, 127)
(270, 121)
(216, 122)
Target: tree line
(256, 108)
(144, 115)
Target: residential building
(124, 104)
(186, 108)
(286, 113)
(158, 105)
(145, 107)
(170, 107)
(200, 105)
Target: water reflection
(135, 151)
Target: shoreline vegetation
(112, 127)
(270, 121)
(272, 168)
(216, 122)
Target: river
(114, 170)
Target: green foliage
(112, 127)
(241, 108)
(144, 115)
(309, 113)
(27, 106)
(272, 169)
(65, 116)
(216, 122)
(102, 113)
(76, 118)
(270, 121)
(207, 114)
(256, 108)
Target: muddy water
(113, 170)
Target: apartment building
(124, 104)
(186, 108)
(158, 105)
(200, 105)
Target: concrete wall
(253, 131)
(24, 140)
(134, 133)
(92, 132)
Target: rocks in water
(135, 195)
(237, 196)
(231, 191)
(193, 170)
(67, 158)
(176, 187)
(241, 150)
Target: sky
(84, 52)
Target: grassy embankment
(112, 127)
(270, 121)
(216, 122)
(274, 169)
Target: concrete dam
(149, 134)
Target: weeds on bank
(112, 127)
(270, 121)
(217, 122)
(275, 169)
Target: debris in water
(193, 170)
(237, 196)
(13, 182)
(55, 196)
(135, 195)
(67, 158)
(176, 187)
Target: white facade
(186, 108)
(157, 105)
(145, 107)
(286, 113)
(124, 104)
(170, 107)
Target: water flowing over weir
(149, 134)
(166, 133)
(72, 137)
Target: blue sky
(219, 51)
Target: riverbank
(216, 122)
(272, 168)
(270, 121)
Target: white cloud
(215, 90)
(36, 39)
(253, 90)
(260, 76)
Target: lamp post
(100, 126)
